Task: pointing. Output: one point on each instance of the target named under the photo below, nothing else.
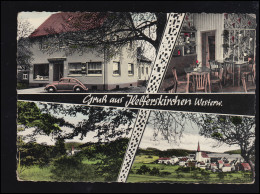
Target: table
(190, 70)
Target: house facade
(96, 70)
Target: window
(64, 80)
(95, 68)
(130, 69)
(142, 70)
(147, 70)
(25, 76)
(77, 68)
(116, 68)
(41, 72)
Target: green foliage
(143, 170)
(155, 171)
(22, 86)
(167, 153)
(110, 154)
(221, 175)
(35, 154)
(236, 120)
(30, 115)
(71, 169)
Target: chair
(214, 66)
(218, 79)
(176, 82)
(246, 71)
(229, 70)
(201, 80)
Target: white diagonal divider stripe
(162, 59)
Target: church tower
(198, 156)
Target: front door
(208, 47)
(58, 69)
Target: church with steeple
(201, 156)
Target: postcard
(136, 97)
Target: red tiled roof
(67, 21)
(226, 165)
(204, 155)
(246, 166)
(183, 159)
(220, 161)
(213, 164)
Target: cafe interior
(214, 53)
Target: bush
(221, 175)
(22, 86)
(155, 171)
(143, 170)
(165, 173)
(179, 175)
(71, 169)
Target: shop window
(130, 69)
(116, 68)
(94, 68)
(41, 72)
(77, 68)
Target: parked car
(66, 84)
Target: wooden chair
(201, 80)
(214, 67)
(229, 70)
(246, 71)
(175, 82)
(217, 79)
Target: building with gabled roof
(97, 71)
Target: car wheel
(77, 89)
(51, 89)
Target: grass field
(181, 177)
(35, 173)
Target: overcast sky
(35, 18)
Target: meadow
(169, 173)
(36, 173)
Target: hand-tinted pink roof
(68, 22)
(220, 161)
(246, 166)
(226, 165)
(204, 155)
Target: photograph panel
(195, 148)
(71, 143)
(215, 52)
(86, 51)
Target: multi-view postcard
(131, 97)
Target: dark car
(66, 84)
